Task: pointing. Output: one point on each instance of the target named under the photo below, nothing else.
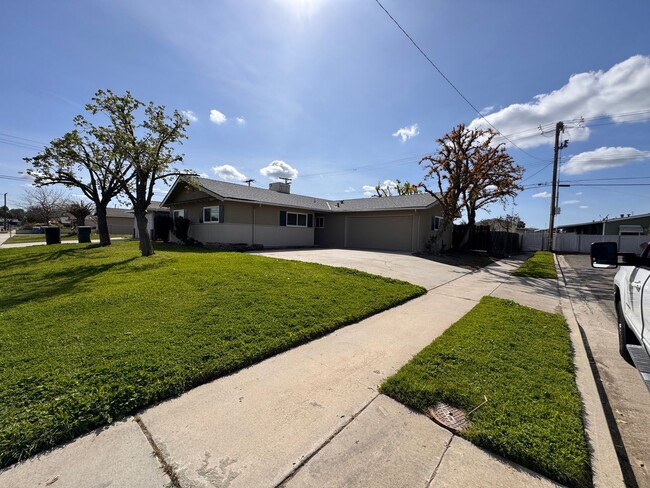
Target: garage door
(380, 233)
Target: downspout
(253, 229)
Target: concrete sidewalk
(311, 416)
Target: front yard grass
(539, 265)
(65, 236)
(521, 359)
(89, 335)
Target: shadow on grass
(57, 282)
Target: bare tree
(505, 223)
(470, 172)
(80, 210)
(45, 204)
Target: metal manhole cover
(450, 417)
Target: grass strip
(521, 359)
(539, 265)
(89, 335)
(65, 236)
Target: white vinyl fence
(581, 243)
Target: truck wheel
(623, 333)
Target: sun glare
(304, 9)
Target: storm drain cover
(450, 417)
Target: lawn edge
(605, 467)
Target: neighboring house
(120, 220)
(230, 213)
(624, 225)
(153, 210)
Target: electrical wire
(450, 82)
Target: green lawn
(521, 359)
(540, 265)
(65, 236)
(89, 335)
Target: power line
(450, 83)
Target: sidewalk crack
(166, 467)
(435, 471)
(306, 459)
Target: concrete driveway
(624, 396)
(400, 266)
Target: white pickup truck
(632, 299)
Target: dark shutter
(201, 217)
(310, 220)
(220, 214)
(433, 223)
(283, 218)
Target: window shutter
(201, 216)
(283, 218)
(310, 220)
(220, 214)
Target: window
(178, 213)
(213, 215)
(296, 219)
(320, 222)
(436, 223)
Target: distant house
(229, 213)
(624, 225)
(120, 220)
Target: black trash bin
(52, 235)
(83, 234)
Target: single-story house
(154, 209)
(120, 220)
(624, 225)
(229, 213)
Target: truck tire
(624, 333)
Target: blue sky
(336, 96)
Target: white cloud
(584, 206)
(543, 194)
(189, 115)
(370, 190)
(570, 202)
(488, 109)
(579, 193)
(350, 189)
(603, 158)
(217, 117)
(623, 88)
(279, 169)
(204, 175)
(406, 133)
(157, 190)
(240, 120)
(227, 172)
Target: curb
(604, 461)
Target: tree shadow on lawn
(56, 283)
(38, 255)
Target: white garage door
(380, 233)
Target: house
(229, 213)
(624, 225)
(154, 209)
(119, 220)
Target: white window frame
(321, 219)
(178, 213)
(297, 215)
(437, 222)
(212, 209)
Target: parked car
(632, 301)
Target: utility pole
(559, 127)
(6, 210)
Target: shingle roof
(233, 191)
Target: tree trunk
(102, 225)
(146, 246)
(471, 222)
